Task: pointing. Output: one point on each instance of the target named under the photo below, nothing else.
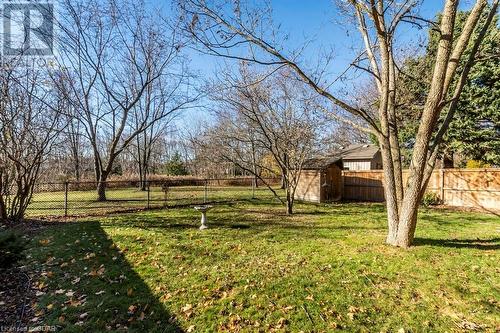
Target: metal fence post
(66, 187)
(149, 193)
(205, 198)
(165, 192)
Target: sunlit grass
(257, 269)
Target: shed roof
(320, 163)
(359, 152)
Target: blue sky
(317, 20)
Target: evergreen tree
(176, 166)
(475, 130)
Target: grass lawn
(256, 269)
(51, 203)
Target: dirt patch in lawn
(17, 292)
(17, 298)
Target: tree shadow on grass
(92, 287)
(479, 244)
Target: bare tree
(264, 117)
(156, 103)
(118, 50)
(223, 27)
(30, 122)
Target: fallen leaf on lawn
(89, 255)
(39, 293)
(310, 298)
(191, 329)
(281, 323)
(130, 291)
(187, 307)
(100, 292)
(354, 309)
(132, 309)
(75, 303)
(166, 297)
(141, 317)
(70, 293)
(64, 264)
(60, 291)
(62, 319)
(44, 242)
(84, 315)
(75, 281)
(50, 306)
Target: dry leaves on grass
(44, 242)
(97, 272)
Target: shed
(361, 157)
(320, 180)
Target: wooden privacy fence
(477, 188)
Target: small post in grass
(205, 197)
(165, 193)
(66, 187)
(149, 194)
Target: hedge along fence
(124, 182)
(475, 188)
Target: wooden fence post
(441, 185)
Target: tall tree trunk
(3, 210)
(289, 202)
(390, 193)
(411, 202)
(387, 138)
(101, 190)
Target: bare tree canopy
(126, 74)
(31, 119)
(258, 119)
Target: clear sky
(317, 20)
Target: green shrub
(430, 199)
(12, 247)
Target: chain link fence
(81, 198)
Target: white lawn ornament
(203, 210)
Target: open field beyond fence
(67, 199)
